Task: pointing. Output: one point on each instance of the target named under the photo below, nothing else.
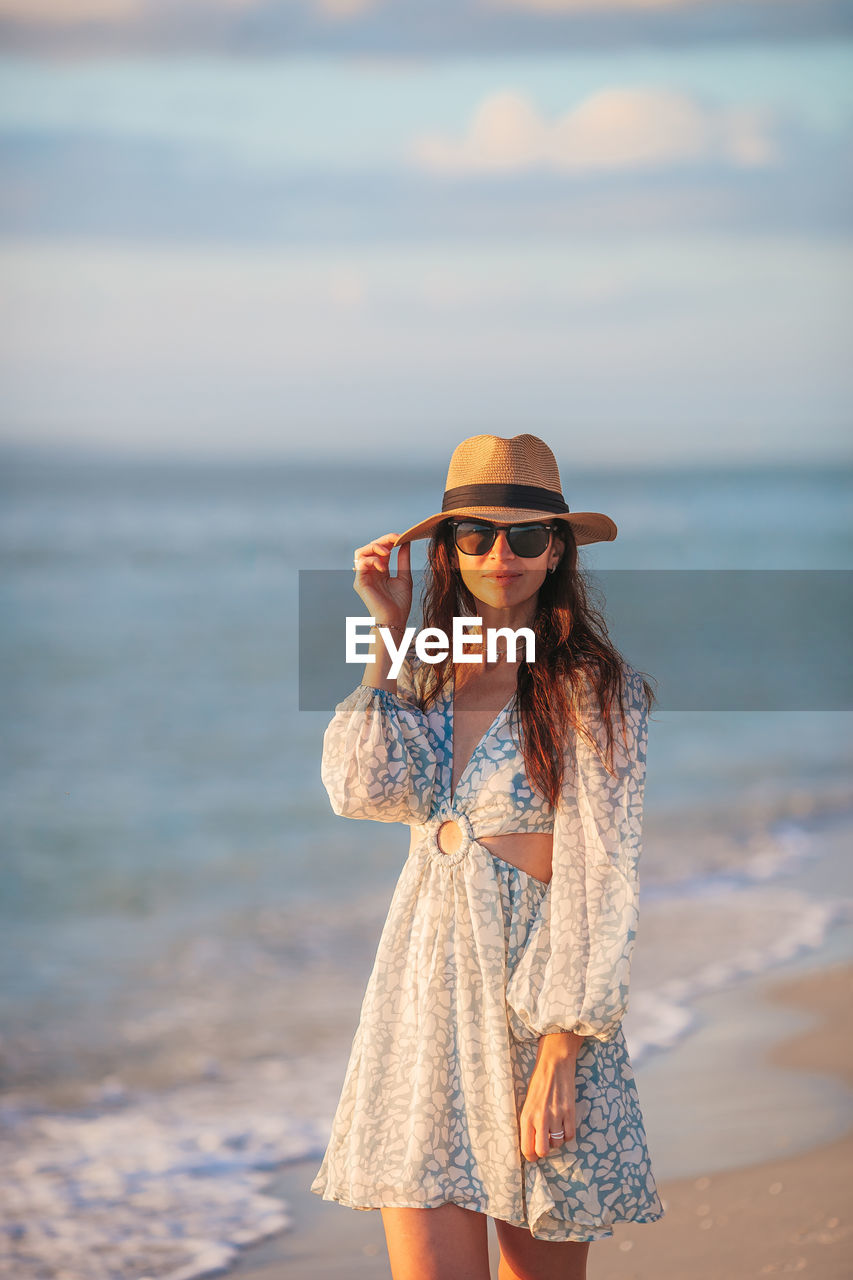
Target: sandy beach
(793, 1214)
(788, 1214)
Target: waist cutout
(450, 834)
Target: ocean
(187, 928)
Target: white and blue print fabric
(477, 959)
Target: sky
(282, 228)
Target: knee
(523, 1257)
(505, 1271)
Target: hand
(388, 599)
(550, 1102)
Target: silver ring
(561, 1133)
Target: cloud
(612, 129)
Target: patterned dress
(477, 959)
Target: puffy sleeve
(573, 971)
(379, 758)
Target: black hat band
(530, 496)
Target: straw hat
(508, 480)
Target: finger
(386, 540)
(369, 553)
(527, 1139)
(553, 1144)
(373, 559)
(370, 562)
(377, 554)
(383, 545)
(404, 561)
(566, 1127)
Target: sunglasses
(476, 537)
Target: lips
(504, 577)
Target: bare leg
(444, 1243)
(525, 1258)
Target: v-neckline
(452, 698)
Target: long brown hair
(572, 645)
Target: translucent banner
(714, 640)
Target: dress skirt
(439, 1069)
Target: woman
(488, 1074)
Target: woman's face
(500, 578)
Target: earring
(553, 569)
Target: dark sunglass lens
(474, 539)
(529, 541)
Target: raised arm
(379, 760)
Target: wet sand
(792, 1215)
